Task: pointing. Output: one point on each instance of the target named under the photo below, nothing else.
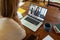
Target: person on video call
(10, 26)
(32, 11)
(37, 12)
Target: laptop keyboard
(32, 21)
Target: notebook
(48, 37)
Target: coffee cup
(47, 27)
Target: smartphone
(31, 37)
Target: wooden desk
(53, 16)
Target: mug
(47, 27)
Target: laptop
(35, 17)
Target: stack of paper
(20, 11)
(48, 37)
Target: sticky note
(21, 10)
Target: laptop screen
(37, 12)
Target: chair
(54, 4)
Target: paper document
(19, 15)
(48, 37)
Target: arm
(20, 31)
(16, 18)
